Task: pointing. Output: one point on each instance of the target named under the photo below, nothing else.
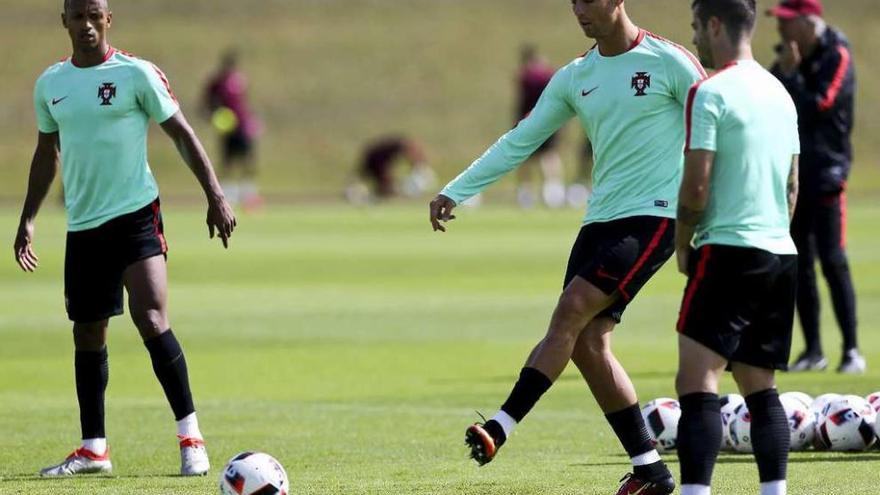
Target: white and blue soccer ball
(661, 417)
(729, 403)
(846, 426)
(801, 421)
(252, 473)
(739, 430)
(801, 397)
(874, 400)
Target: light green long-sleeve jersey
(632, 109)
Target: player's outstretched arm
(220, 216)
(44, 166)
(441, 211)
(692, 200)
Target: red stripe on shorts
(652, 246)
(156, 229)
(692, 288)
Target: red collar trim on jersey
(638, 40)
(110, 52)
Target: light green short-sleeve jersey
(748, 119)
(102, 115)
(632, 109)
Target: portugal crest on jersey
(641, 82)
(107, 92)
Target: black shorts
(237, 144)
(739, 302)
(621, 256)
(96, 259)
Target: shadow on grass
(725, 458)
(96, 477)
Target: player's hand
(441, 211)
(221, 218)
(24, 250)
(683, 256)
(790, 57)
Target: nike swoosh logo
(584, 92)
(603, 274)
(59, 100)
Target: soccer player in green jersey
(94, 109)
(736, 202)
(628, 93)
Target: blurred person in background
(534, 75)
(815, 65)
(375, 177)
(225, 103)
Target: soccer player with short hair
(737, 198)
(628, 92)
(94, 109)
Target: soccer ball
(801, 397)
(739, 429)
(729, 403)
(862, 407)
(818, 406)
(874, 400)
(844, 428)
(661, 417)
(801, 422)
(250, 473)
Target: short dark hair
(739, 16)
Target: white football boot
(193, 457)
(81, 461)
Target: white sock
(774, 488)
(95, 445)
(232, 191)
(695, 490)
(507, 423)
(646, 458)
(189, 427)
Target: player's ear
(109, 18)
(64, 19)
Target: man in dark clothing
(815, 65)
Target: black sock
(92, 373)
(770, 435)
(630, 428)
(699, 437)
(169, 364)
(525, 394)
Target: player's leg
(147, 285)
(525, 194)
(802, 232)
(552, 172)
(580, 302)
(616, 395)
(769, 428)
(831, 247)
(93, 293)
(764, 348)
(699, 429)
(250, 193)
(228, 181)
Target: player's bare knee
(750, 379)
(150, 323)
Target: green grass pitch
(355, 346)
